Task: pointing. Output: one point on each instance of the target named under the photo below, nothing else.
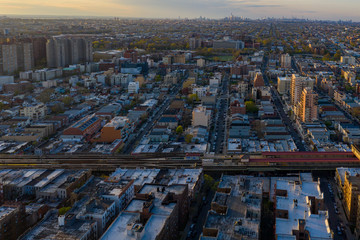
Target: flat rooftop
(5, 211)
(342, 171)
(296, 203)
(140, 176)
(243, 203)
(49, 229)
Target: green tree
(192, 97)
(57, 108)
(337, 55)
(251, 107)
(188, 138)
(328, 123)
(327, 57)
(179, 130)
(158, 78)
(63, 210)
(210, 183)
(68, 101)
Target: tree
(3, 106)
(67, 101)
(328, 123)
(179, 130)
(337, 55)
(158, 78)
(210, 183)
(144, 117)
(192, 97)
(63, 210)
(327, 57)
(188, 138)
(45, 96)
(355, 112)
(57, 108)
(251, 107)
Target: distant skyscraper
(65, 50)
(308, 107)
(297, 85)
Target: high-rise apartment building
(65, 50)
(297, 85)
(39, 50)
(283, 85)
(285, 61)
(16, 56)
(8, 58)
(194, 43)
(308, 106)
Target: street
(337, 217)
(218, 137)
(131, 142)
(198, 218)
(284, 116)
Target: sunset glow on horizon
(322, 9)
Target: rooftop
(351, 171)
(5, 211)
(297, 204)
(49, 228)
(237, 203)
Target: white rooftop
(316, 224)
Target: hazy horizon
(307, 9)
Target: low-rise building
(63, 227)
(35, 112)
(117, 128)
(201, 117)
(82, 129)
(157, 212)
(133, 87)
(235, 209)
(300, 210)
(62, 185)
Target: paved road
(284, 116)
(131, 143)
(335, 219)
(219, 132)
(201, 217)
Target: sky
(308, 9)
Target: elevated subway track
(264, 162)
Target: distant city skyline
(307, 9)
